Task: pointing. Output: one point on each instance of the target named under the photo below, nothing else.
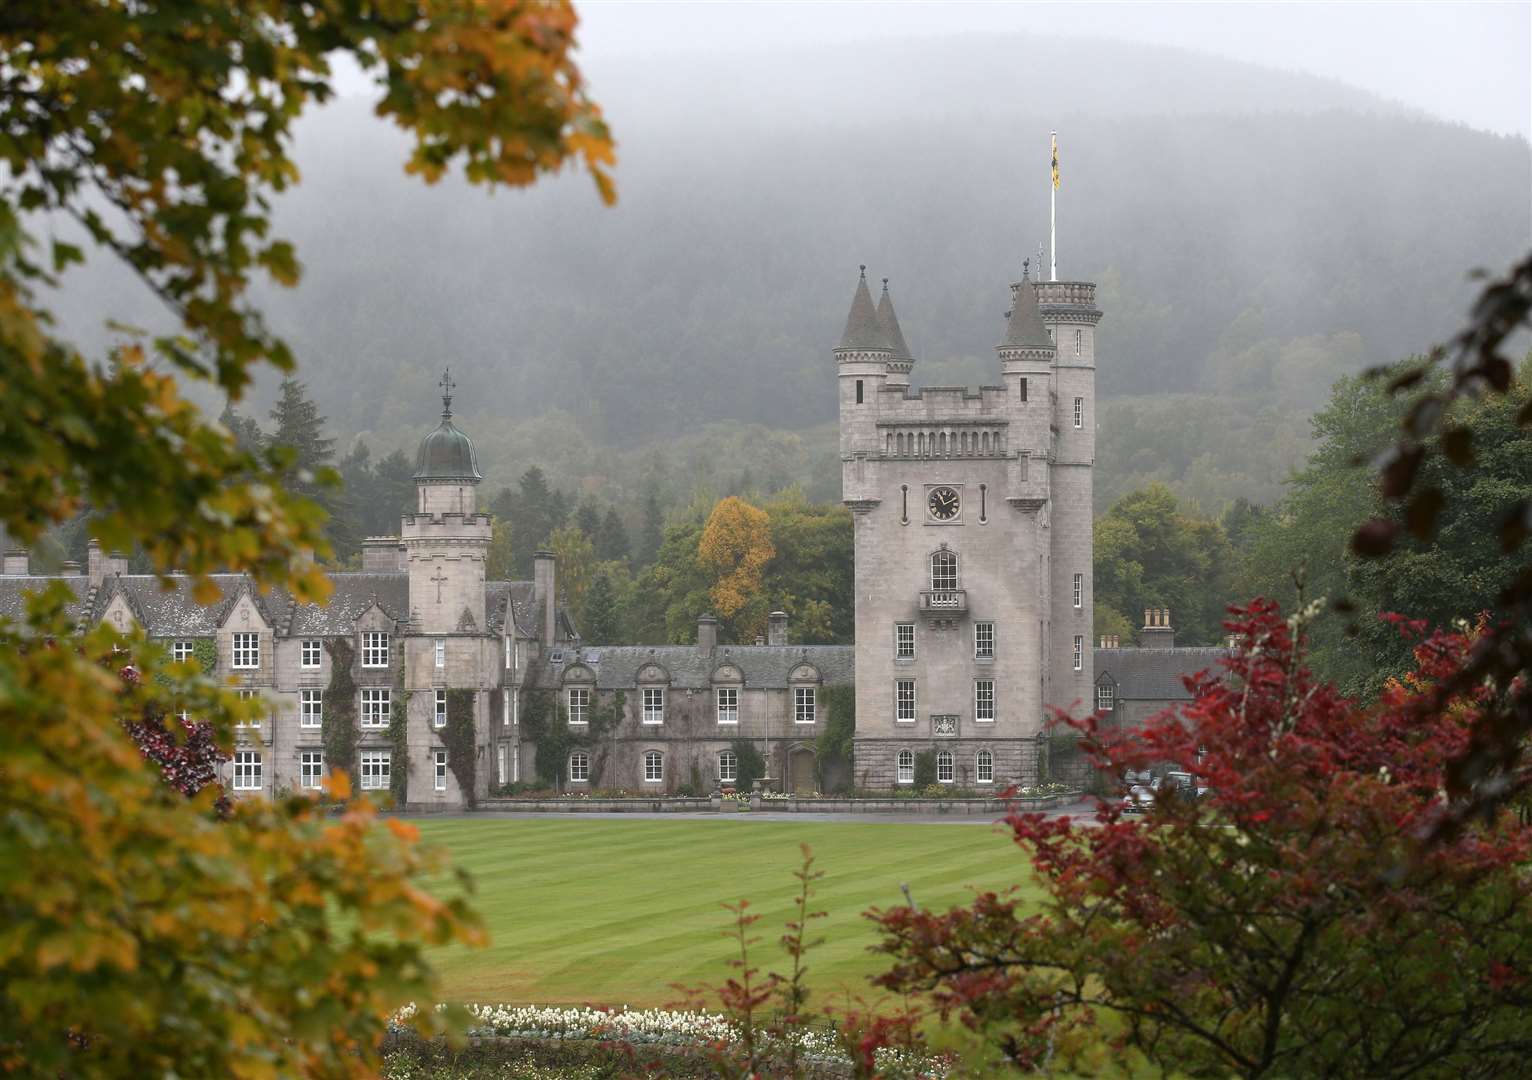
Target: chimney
(759, 640)
(69, 569)
(544, 591)
(707, 635)
(380, 555)
(776, 628)
(1157, 633)
(18, 562)
(95, 563)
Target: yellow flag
(1055, 161)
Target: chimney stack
(707, 635)
(1157, 633)
(18, 562)
(69, 568)
(776, 628)
(380, 555)
(544, 591)
(95, 562)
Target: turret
(862, 359)
(888, 323)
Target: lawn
(614, 912)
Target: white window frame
(901, 699)
(726, 698)
(502, 764)
(983, 641)
(577, 701)
(375, 769)
(247, 695)
(653, 700)
(904, 767)
(945, 772)
(940, 577)
(374, 648)
(728, 767)
(180, 650)
(245, 650)
(248, 770)
(654, 767)
(1079, 413)
(904, 641)
(1106, 697)
(1079, 653)
(439, 715)
(1079, 591)
(439, 770)
(579, 767)
(311, 769)
(440, 649)
(984, 767)
(311, 708)
(984, 701)
(310, 654)
(805, 705)
(377, 707)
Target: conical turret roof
(888, 323)
(1025, 329)
(863, 330)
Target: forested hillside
(1255, 235)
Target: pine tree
(588, 521)
(534, 511)
(611, 538)
(600, 625)
(248, 435)
(653, 532)
(299, 426)
(394, 494)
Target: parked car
(1187, 784)
(1139, 798)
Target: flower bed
(687, 1032)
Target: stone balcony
(943, 603)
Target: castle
(972, 527)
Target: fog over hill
(1254, 233)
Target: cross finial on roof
(1026, 266)
(864, 271)
(446, 384)
(885, 284)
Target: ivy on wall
(835, 741)
(925, 769)
(462, 749)
(750, 766)
(205, 652)
(399, 743)
(339, 728)
(545, 722)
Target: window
(803, 704)
(376, 708)
(247, 770)
(439, 717)
(308, 654)
(984, 640)
(501, 763)
(1023, 388)
(904, 700)
(728, 766)
(579, 767)
(374, 649)
(441, 653)
(439, 776)
(654, 767)
(904, 504)
(247, 650)
(248, 695)
(180, 650)
(310, 708)
(906, 767)
(579, 705)
(984, 767)
(654, 705)
(943, 571)
(1079, 340)
(311, 770)
(375, 769)
(1106, 697)
(1079, 412)
(984, 700)
(1079, 653)
(944, 767)
(1079, 593)
(904, 641)
(728, 704)
(859, 391)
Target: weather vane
(446, 384)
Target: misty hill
(1254, 233)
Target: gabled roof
(888, 323)
(769, 666)
(14, 588)
(1156, 674)
(863, 330)
(351, 596)
(1025, 327)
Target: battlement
(446, 526)
(1075, 293)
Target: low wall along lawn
(995, 808)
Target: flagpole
(1053, 196)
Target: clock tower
(972, 522)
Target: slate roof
(13, 588)
(617, 666)
(888, 322)
(863, 330)
(1155, 674)
(1025, 327)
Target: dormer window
(374, 649)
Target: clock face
(943, 503)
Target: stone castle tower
(972, 525)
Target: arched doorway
(801, 772)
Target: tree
(652, 532)
(394, 480)
(165, 939)
(600, 625)
(812, 575)
(499, 562)
(611, 538)
(733, 552)
(576, 564)
(534, 510)
(588, 520)
(1287, 924)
